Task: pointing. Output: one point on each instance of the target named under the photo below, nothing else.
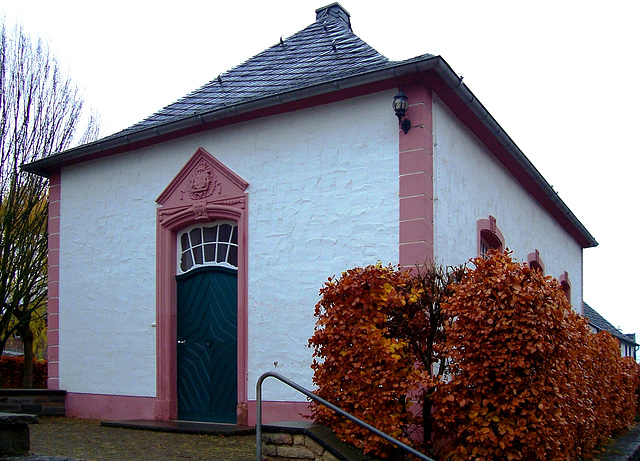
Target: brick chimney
(335, 11)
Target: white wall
(107, 278)
(470, 184)
(323, 197)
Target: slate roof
(601, 324)
(324, 51)
(324, 58)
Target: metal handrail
(320, 400)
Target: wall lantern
(400, 107)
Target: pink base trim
(273, 412)
(112, 407)
(122, 407)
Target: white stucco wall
(107, 278)
(470, 184)
(323, 197)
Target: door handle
(182, 342)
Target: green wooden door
(207, 344)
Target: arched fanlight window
(212, 244)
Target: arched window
(566, 284)
(535, 262)
(489, 236)
(213, 244)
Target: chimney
(335, 11)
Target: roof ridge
(324, 50)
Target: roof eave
(455, 84)
(395, 70)
(43, 166)
(619, 335)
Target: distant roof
(320, 60)
(601, 324)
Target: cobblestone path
(86, 440)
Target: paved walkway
(62, 439)
(86, 440)
(625, 448)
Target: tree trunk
(3, 343)
(27, 339)
(427, 423)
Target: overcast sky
(559, 76)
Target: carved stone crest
(203, 181)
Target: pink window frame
(487, 229)
(534, 260)
(566, 284)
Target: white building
(187, 251)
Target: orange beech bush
(374, 339)
(528, 381)
(483, 364)
(613, 381)
(625, 401)
(420, 322)
(636, 366)
(363, 369)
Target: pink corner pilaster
(416, 180)
(53, 283)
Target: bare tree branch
(40, 112)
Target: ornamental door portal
(202, 294)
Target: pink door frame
(204, 190)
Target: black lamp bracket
(405, 124)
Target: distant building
(628, 345)
(14, 346)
